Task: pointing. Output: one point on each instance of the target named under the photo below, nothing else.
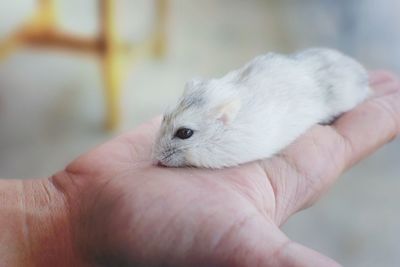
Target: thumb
(295, 255)
(251, 244)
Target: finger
(256, 242)
(296, 255)
(146, 131)
(373, 123)
(381, 76)
(142, 137)
(309, 166)
(129, 149)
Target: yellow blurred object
(42, 31)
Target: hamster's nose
(160, 164)
(157, 162)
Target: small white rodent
(255, 111)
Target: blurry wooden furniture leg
(43, 21)
(48, 10)
(111, 63)
(9, 45)
(112, 52)
(42, 31)
(160, 34)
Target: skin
(112, 207)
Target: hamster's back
(285, 95)
(342, 79)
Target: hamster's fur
(255, 111)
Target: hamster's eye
(183, 133)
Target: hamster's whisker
(168, 153)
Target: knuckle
(391, 112)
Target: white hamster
(255, 111)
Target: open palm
(129, 212)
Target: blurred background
(52, 101)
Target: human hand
(124, 211)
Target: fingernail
(386, 88)
(382, 77)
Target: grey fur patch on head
(193, 95)
(167, 118)
(193, 99)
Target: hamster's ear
(227, 111)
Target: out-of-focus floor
(51, 103)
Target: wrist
(35, 216)
(49, 237)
